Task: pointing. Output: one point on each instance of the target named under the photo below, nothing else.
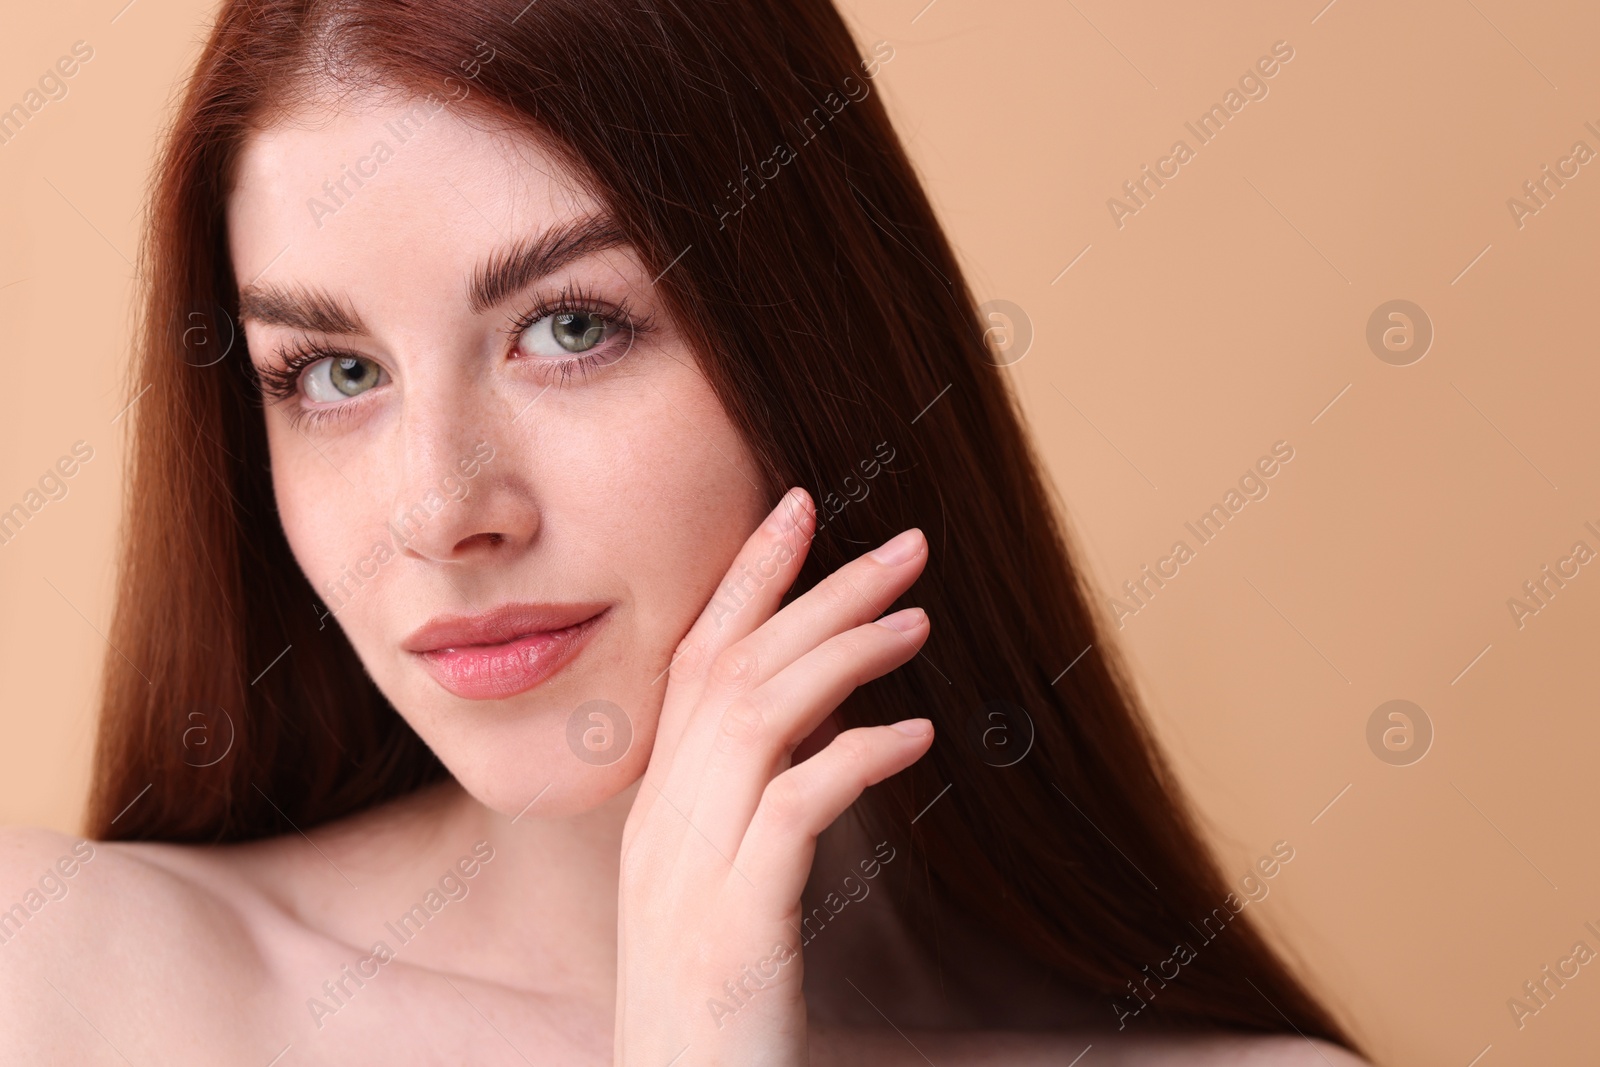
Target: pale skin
(607, 902)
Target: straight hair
(744, 151)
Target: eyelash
(280, 381)
(575, 297)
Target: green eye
(338, 377)
(568, 333)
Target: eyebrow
(505, 271)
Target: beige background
(1229, 313)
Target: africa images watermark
(1539, 590)
(338, 593)
(1252, 486)
(1252, 86)
(1211, 927)
(1538, 192)
(453, 885)
(338, 192)
(739, 991)
(736, 592)
(1539, 992)
(831, 507)
(599, 732)
(52, 87)
(52, 886)
(782, 155)
(52, 486)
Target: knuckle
(744, 720)
(850, 656)
(785, 803)
(734, 668)
(854, 755)
(841, 596)
(754, 720)
(843, 653)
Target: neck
(537, 913)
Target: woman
(477, 692)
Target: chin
(574, 741)
(572, 754)
(564, 787)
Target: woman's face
(454, 482)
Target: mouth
(503, 652)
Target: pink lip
(503, 652)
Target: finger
(751, 590)
(805, 800)
(851, 596)
(758, 732)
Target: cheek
(322, 524)
(680, 492)
(646, 503)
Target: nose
(459, 495)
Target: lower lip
(494, 672)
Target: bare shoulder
(60, 892)
(90, 931)
(850, 1047)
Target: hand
(720, 839)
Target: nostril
(486, 539)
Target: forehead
(390, 190)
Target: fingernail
(904, 619)
(912, 727)
(898, 549)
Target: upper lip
(500, 626)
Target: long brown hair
(741, 146)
